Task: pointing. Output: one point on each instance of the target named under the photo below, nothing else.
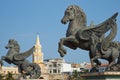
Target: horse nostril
(6, 47)
(63, 21)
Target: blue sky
(22, 20)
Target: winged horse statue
(91, 38)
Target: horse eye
(9, 41)
(72, 11)
(67, 13)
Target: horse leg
(112, 59)
(94, 54)
(94, 67)
(111, 63)
(95, 59)
(61, 49)
(70, 42)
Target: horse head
(13, 49)
(74, 12)
(76, 18)
(13, 44)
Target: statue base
(101, 76)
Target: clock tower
(37, 54)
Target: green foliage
(76, 76)
(1, 77)
(9, 76)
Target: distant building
(11, 69)
(66, 67)
(76, 67)
(38, 54)
(38, 58)
(58, 69)
(87, 66)
(57, 66)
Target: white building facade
(58, 66)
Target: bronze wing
(99, 29)
(24, 55)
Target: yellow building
(37, 54)
(38, 57)
(11, 69)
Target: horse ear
(71, 7)
(76, 10)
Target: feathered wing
(99, 29)
(24, 55)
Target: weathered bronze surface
(91, 38)
(19, 59)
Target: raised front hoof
(62, 52)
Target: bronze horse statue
(91, 38)
(19, 59)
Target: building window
(58, 71)
(50, 71)
(50, 65)
(54, 71)
(54, 64)
(59, 65)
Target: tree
(9, 76)
(1, 77)
(76, 76)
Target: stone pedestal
(102, 76)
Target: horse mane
(16, 45)
(80, 15)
